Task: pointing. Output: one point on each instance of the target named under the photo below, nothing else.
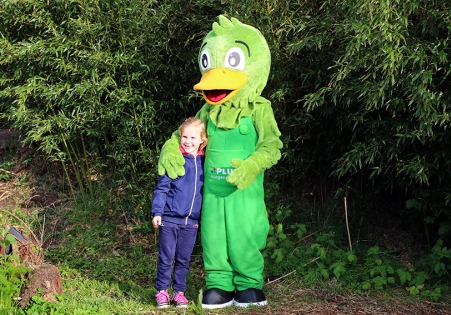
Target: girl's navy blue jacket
(180, 200)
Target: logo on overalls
(220, 173)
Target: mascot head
(234, 60)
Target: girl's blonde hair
(200, 126)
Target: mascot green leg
(234, 231)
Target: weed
(438, 263)
(5, 167)
(361, 270)
(12, 275)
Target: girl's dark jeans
(176, 245)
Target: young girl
(176, 209)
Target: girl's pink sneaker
(180, 299)
(163, 299)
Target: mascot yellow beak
(220, 84)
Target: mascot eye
(235, 59)
(204, 60)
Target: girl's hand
(156, 221)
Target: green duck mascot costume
(243, 141)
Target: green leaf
(325, 273)
(339, 270)
(10, 239)
(404, 276)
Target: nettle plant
(325, 256)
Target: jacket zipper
(194, 194)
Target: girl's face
(191, 140)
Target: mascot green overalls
(243, 141)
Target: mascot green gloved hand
(243, 141)
(173, 161)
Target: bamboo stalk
(347, 225)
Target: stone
(46, 277)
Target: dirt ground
(26, 197)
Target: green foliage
(39, 305)
(438, 263)
(7, 160)
(360, 90)
(292, 249)
(88, 297)
(4, 172)
(12, 275)
(377, 89)
(100, 85)
(119, 262)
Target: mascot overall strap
(234, 229)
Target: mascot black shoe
(217, 298)
(248, 297)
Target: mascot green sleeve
(244, 141)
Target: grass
(102, 296)
(108, 258)
(118, 264)
(109, 268)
